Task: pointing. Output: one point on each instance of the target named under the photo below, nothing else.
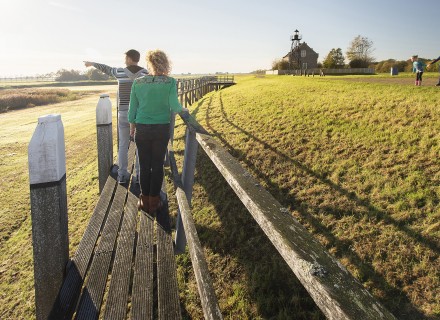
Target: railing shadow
(273, 288)
(401, 306)
(371, 209)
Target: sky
(203, 36)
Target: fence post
(172, 124)
(180, 91)
(189, 167)
(104, 138)
(50, 239)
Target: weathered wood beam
(336, 292)
(211, 309)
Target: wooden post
(186, 93)
(104, 138)
(172, 124)
(189, 167)
(47, 177)
(192, 92)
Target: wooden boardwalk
(125, 264)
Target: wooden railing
(191, 90)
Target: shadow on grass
(270, 283)
(371, 209)
(399, 304)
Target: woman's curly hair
(158, 63)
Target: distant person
(125, 77)
(152, 99)
(418, 68)
(432, 62)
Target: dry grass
(12, 99)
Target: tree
(280, 65)
(95, 74)
(72, 75)
(335, 59)
(360, 52)
(386, 65)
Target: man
(432, 62)
(125, 77)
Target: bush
(280, 65)
(386, 65)
(72, 75)
(25, 98)
(359, 63)
(96, 75)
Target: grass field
(355, 159)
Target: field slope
(356, 161)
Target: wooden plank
(336, 292)
(167, 289)
(116, 305)
(77, 268)
(142, 295)
(93, 292)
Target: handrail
(335, 291)
(211, 309)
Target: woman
(152, 99)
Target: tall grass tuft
(12, 99)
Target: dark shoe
(437, 85)
(123, 179)
(144, 203)
(155, 204)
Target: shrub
(359, 63)
(69, 75)
(280, 65)
(12, 99)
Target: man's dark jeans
(151, 141)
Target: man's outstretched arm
(102, 67)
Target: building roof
(302, 46)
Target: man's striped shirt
(125, 77)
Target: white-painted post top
(104, 110)
(46, 151)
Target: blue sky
(41, 36)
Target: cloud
(64, 6)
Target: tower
(294, 58)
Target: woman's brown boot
(154, 204)
(144, 203)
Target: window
(304, 65)
(303, 53)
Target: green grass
(355, 159)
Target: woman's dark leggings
(419, 76)
(151, 141)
